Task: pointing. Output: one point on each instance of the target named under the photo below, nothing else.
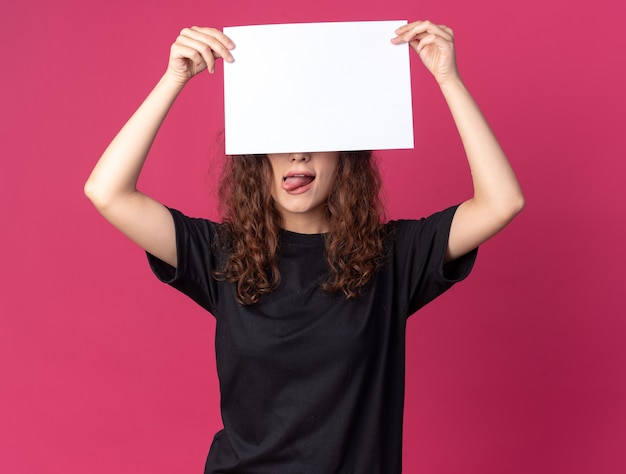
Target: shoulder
(437, 224)
(199, 232)
(183, 221)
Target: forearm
(118, 170)
(494, 181)
(497, 195)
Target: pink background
(520, 369)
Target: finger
(219, 44)
(196, 51)
(432, 39)
(448, 30)
(191, 55)
(406, 33)
(426, 34)
(420, 25)
(428, 27)
(219, 35)
(216, 46)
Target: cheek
(273, 188)
(274, 183)
(333, 176)
(328, 185)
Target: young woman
(309, 288)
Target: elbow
(520, 201)
(104, 196)
(96, 194)
(88, 189)
(518, 204)
(91, 192)
(521, 204)
(511, 207)
(502, 208)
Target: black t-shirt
(311, 382)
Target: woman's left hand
(435, 46)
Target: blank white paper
(317, 87)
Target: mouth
(295, 181)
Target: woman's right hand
(195, 50)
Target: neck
(305, 225)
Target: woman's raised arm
(112, 185)
(497, 195)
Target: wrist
(172, 81)
(452, 85)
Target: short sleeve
(419, 259)
(195, 260)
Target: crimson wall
(519, 369)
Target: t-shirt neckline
(295, 238)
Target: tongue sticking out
(294, 182)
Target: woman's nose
(300, 156)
